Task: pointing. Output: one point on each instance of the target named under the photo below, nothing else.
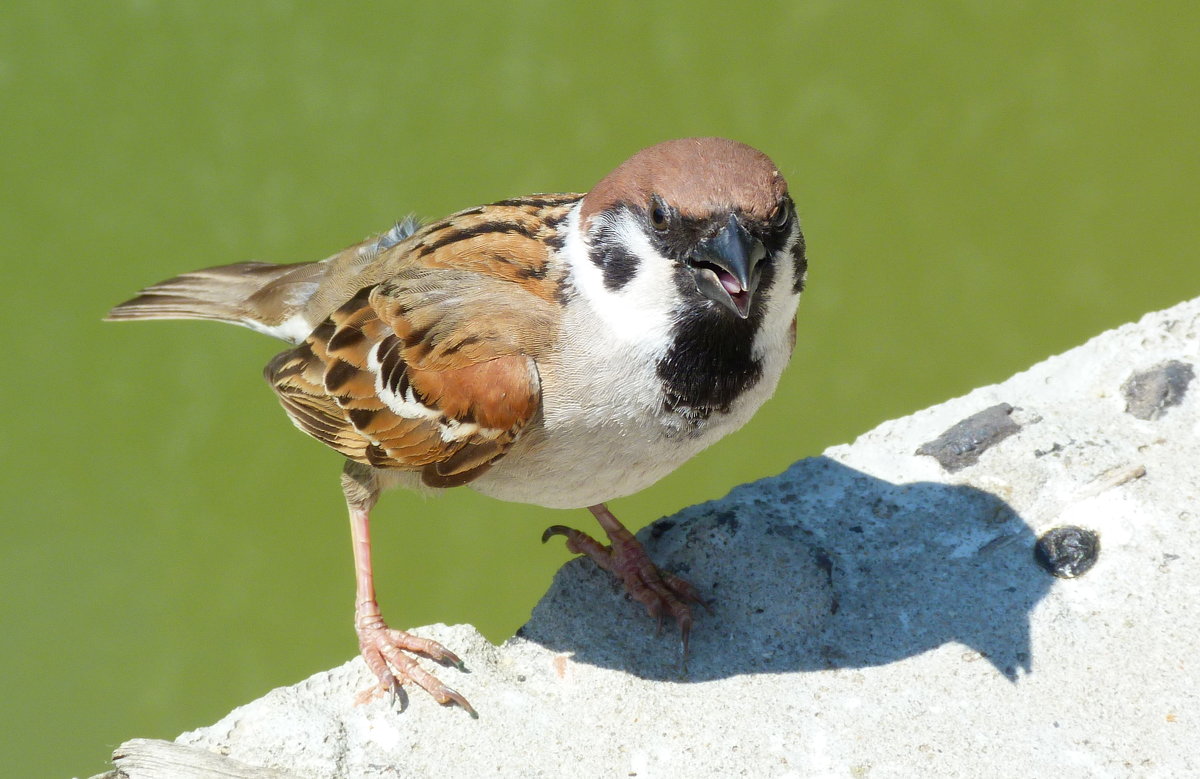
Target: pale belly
(586, 465)
(584, 453)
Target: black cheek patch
(799, 265)
(615, 261)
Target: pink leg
(386, 650)
(625, 558)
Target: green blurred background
(982, 185)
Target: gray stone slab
(874, 614)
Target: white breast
(604, 433)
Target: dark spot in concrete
(660, 527)
(729, 520)
(883, 509)
(855, 528)
(1067, 551)
(962, 444)
(787, 531)
(1150, 393)
(825, 563)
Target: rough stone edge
(137, 757)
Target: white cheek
(639, 313)
(775, 336)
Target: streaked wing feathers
(432, 368)
(450, 425)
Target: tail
(285, 301)
(262, 296)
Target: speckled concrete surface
(875, 614)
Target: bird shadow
(820, 567)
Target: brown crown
(696, 176)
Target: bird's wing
(434, 368)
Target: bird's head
(714, 212)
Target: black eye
(782, 213)
(658, 215)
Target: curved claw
(579, 542)
(399, 696)
(427, 647)
(443, 695)
(452, 695)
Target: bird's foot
(388, 653)
(659, 591)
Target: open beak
(727, 267)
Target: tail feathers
(285, 301)
(263, 296)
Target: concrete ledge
(879, 612)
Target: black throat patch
(711, 361)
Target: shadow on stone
(820, 567)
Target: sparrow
(560, 350)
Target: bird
(561, 350)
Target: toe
(389, 655)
